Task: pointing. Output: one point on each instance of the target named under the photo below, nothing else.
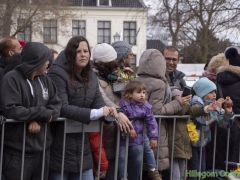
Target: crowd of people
(38, 86)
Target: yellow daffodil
(192, 132)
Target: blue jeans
(86, 175)
(134, 161)
(193, 163)
(149, 155)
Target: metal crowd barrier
(71, 126)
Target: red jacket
(94, 138)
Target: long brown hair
(131, 87)
(70, 53)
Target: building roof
(155, 44)
(115, 3)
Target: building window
(104, 3)
(50, 31)
(25, 30)
(129, 32)
(79, 28)
(104, 32)
(134, 61)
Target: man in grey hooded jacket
(30, 97)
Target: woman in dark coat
(82, 101)
(228, 82)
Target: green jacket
(182, 144)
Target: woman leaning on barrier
(104, 60)
(228, 84)
(81, 101)
(151, 72)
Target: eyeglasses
(171, 59)
(131, 54)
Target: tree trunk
(174, 40)
(204, 45)
(7, 18)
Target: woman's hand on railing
(113, 112)
(106, 111)
(34, 127)
(124, 123)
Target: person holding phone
(159, 96)
(171, 55)
(186, 91)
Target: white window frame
(104, 28)
(80, 32)
(129, 30)
(25, 31)
(51, 28)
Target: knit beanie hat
(233, 56)
(122, 48)
(103, 53)
(203, 86)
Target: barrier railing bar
(64, 144)
(126, 156)
(1, 155)
(44, 150)
(214, 146)
(117, 150)
(81, 159)
(159, 137)
(173, 139)
(23, 150)
(143, 135)
(201, 141)
(227, 152)
(100, 150)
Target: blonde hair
(216, 62)
(131, 87)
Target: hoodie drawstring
(31, 88)
(41, 84)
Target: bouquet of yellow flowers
(192, 131)
(123, 77)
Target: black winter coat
(77, 104)
(229, 78)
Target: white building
(97, 20)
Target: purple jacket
(139, 112)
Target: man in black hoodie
(29, 96)
(8, 47)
